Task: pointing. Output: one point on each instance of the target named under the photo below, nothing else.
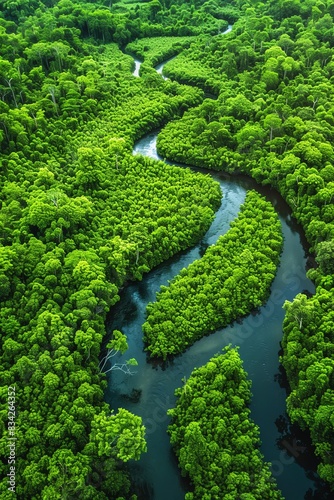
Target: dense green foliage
(231, 279)
(273, 119)
(214, 438)
(308, 345)
(121, 22)
(174, 18)
(280, 134)
(79, 217)
(65, 255)
(156, 50)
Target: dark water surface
(150, 392)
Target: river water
(149, 393)
(258, 336)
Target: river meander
(150, 391)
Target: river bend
(150, 392)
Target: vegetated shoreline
(264, 190)
(222, 461)
(56, 284)
(307, 195)
(38, 262)
(183, 159)
(134, 302)
(208, 278)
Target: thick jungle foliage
(232, 278)
(214, 437)
(69, 113)
(158, 49)
(79, 217)
(273, 75)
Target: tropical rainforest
(230, 280)
(81, 217)
(214, 438)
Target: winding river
(150, 391)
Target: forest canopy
(214, 437)
(80, 216)
(231, 279)
(272, 119)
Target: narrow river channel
(150, 391)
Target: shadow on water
(297, 447)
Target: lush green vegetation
(156, 50)
(232, 278)
(79, 217)
(308, 345)
(213, 436)
(273, 75)
(173, 18)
